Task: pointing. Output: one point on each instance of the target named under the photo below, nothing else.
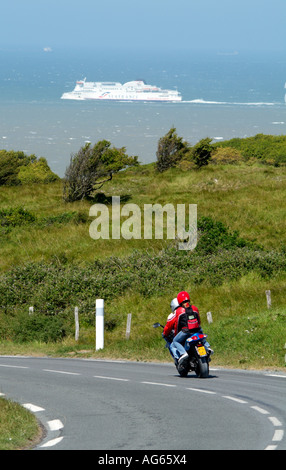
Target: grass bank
(18, 427)
(50, 261)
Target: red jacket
(179, 320)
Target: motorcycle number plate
(202, 351)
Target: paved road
(104, 405)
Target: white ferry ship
(136, 90)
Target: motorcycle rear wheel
(202, 369)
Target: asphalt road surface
(118, 405)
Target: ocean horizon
(225, 95)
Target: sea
(226, 94)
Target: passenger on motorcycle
(169, 338)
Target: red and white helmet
(174, 304)
(183, 296)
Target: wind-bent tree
(171, 149)
(91, 167)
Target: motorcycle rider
(185, 322)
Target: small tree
(202, 152)
(171, 150)
(91, 167)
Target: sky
(224, 25)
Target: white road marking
(278, 435)
(55, 425)
(110, 378)
(260, 410)
(270, 447)
(157, 383)
(33, 408)
(276, 375)
(61, 372)
(52, 442)
(238, 400)
(274, 421)
(14, 367)
(202, 391)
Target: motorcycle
(198, 359)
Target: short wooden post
(209, 317)
(128, 326)
(76, 323)
(268, 298)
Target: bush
(38, 328)
(267, 149)
(201, 152)
(37, 172)
(18, 216)
(12, 217)
(18, 168)
(10, 162)
(226, 155)
(214, 235)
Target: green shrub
(268, 149)
(18, 216)
(38, 328)
(226, 155)
(201, 152)
(37, 172)
(19, 168)
(12, 217)
(10, 162)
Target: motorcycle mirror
(156, 325)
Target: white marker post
(99, 324)
(76, 323)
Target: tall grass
(250, 199)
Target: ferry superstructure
(136, 90)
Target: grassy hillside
(48, 260)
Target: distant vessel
(136, 90)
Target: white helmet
(174, 304)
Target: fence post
(76, 323)
(99, 324)
(268, 298)
(209, 317)
(128, 326)
(31, 310)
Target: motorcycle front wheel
(202, 369)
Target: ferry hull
(154, 100)
(136, 90)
